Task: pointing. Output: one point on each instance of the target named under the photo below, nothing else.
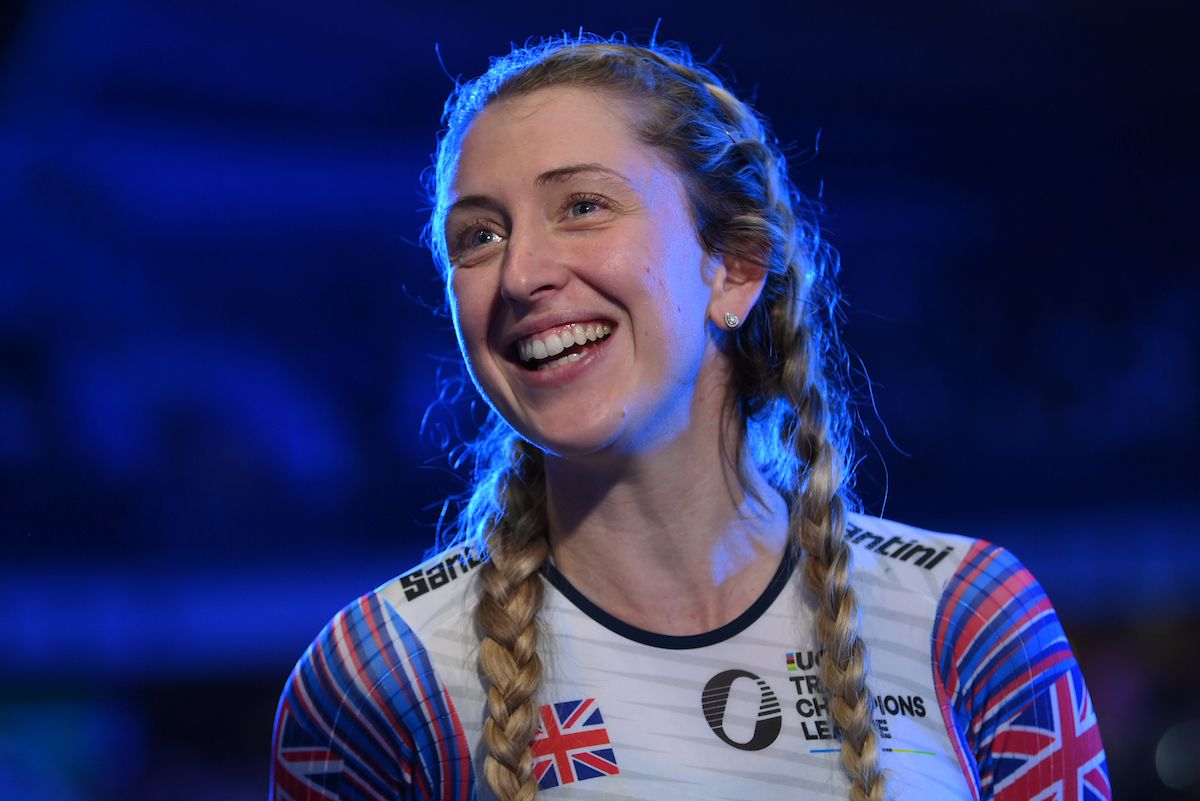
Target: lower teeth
(570, 357)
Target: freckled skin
(637, 262)
(643, 504)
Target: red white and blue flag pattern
(572, 744)
(305, 767)
(1023, 726)
(1052, 750)
(365, 718)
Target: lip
(548, 321)
(591, 355)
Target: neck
(676, 541)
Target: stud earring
(732, 320)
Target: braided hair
(787, 382)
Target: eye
(481, 236)
(582, 207)
(585, 205)
(471, 238)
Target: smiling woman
(651, 317)
(549, 233)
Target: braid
(818, 521)
(818, 526)
(506, 614)
(797, 372)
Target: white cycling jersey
(977, 694)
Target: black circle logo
(716, 697)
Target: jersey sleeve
(1010, 688)
(363, 717)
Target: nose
(532, 268)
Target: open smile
(561, 345)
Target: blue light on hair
(744, 204)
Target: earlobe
(736, 285)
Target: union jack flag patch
(572, 744)
(1052, 750)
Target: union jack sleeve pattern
(1010, 688)
(364, 717)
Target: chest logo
(720, 699)
(571, 744)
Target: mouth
(561, 345)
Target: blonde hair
(787, 385)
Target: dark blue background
(218, 334)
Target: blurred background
(219, 336)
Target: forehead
(520, 138)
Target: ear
(736, 284)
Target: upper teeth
(543, 346)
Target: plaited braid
(819, 525)
(510, 597)
(786, 382)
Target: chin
(572, 442)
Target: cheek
(468, 312)
(470, 329)
(677, 293)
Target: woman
(656, 590)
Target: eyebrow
(476, 201)
(560, 174)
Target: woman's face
(579, 289)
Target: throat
(679, 596)
(672, 620)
